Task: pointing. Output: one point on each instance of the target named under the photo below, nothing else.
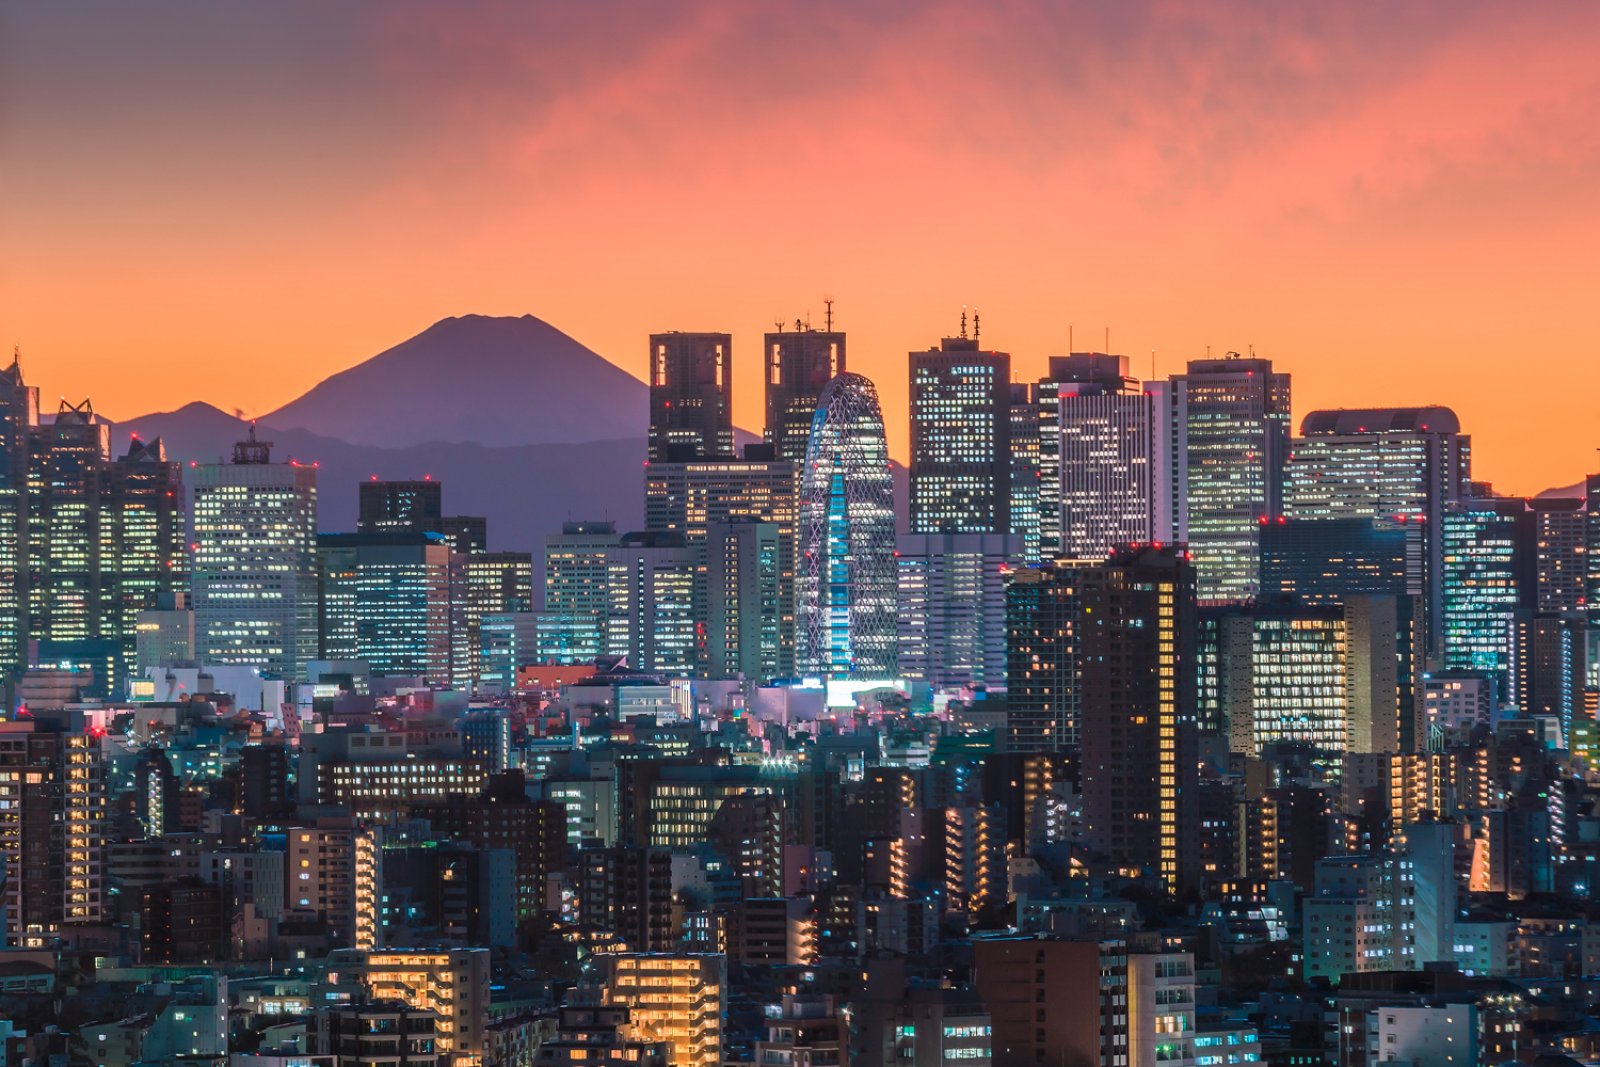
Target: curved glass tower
(845, 575)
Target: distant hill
(526, 491)
(475, 379)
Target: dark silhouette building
(691, 396)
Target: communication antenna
(777, 324)
(974, 324)
(827, 320)
(963, 320)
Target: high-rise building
(799, 363)
(691, 396)
(1384, 659)
(388, 598)
(1138, 707)
(633, 597)
(255, 564)
(19, 415)
(1394, 465)
(400, 507)
(1025, 474)
(572, 626)
(688, 498)
(1043, 651)
(148, 563)
(68, 543)
(491, 585)
(1090, 371)
(1548, 666)
(1562, 532)
(960, 439)
(952, 607)
(1484, 579)
(1272, 673)
(748, 633)
(52, 836)
(1230, 426)
(1108, 451)
(1324, 561)
(844, 564)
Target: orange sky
(231, 202)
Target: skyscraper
(148, 561)
(66, 542)
(952, 607)
(1025, 474)
(749, 632)
(1382, 464)
(799, 363)
(393, 507)
(388, 598)
(255, 563)
(960, 439)
(1043, 634)
(688, 498)
(844, 567)
(19, 414)
(1230, 424)
(1483, 583)
(1138, 701)
(1107, 454)
(691, 395)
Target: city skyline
(1363, 207)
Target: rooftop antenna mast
(974, 324)
(827, 318)
(963, 321)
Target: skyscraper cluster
(1131, 722)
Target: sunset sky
(1398, 203)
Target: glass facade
(845, 576)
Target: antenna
(963, 320)
(974, 324)
(827, 319)
(777, 323)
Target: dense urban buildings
(1151, 735)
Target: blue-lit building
(1484, 579)
(844, 572)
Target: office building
(1384, 659)
(400, 506)
(691, 396)
(1137, 712)
(1323, 561)
(1561, 530)
(960, 439)
(844, 562)
(1025, 475)
(1043, 653)
(254, 582)
(1483, 582)
(952, 608)
(1403, 465)
(19, 415)
(1230, 428)
(633, 597)
(145, 563)
(799, 363)
(748, 633)
(389, 599)
(689, 498)
(1109, 451)
(1272, 673)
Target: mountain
(495, 381)
(526, 491)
